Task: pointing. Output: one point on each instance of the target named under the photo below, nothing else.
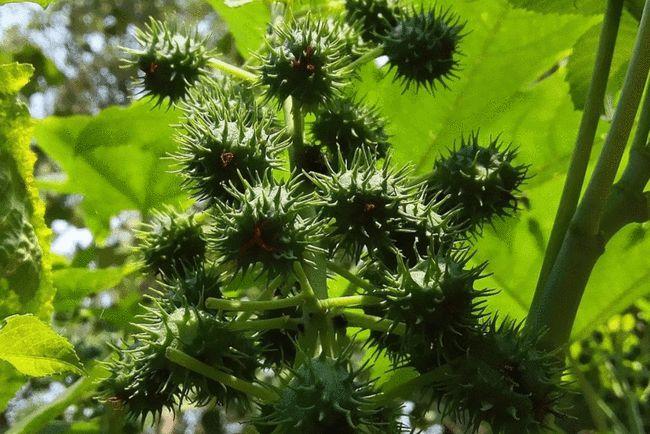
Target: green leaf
(581, 62)
(72, 284)
(34, 349)
(247, 21)
(25, 280)
(587, 7)
(115, 160)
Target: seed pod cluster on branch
(243, 278)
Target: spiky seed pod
(423, 47)
(206, 338)
(376, 17)
(125, 389)
(266, 226)
(170, 61)
(326, 395)
(306, 62)
(365, 203)
(506, 381)
(478, 182)
(223, 142)
(425, 231)
(171, 243)
(440, 306)
(348, 124)
(190, 287)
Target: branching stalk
(232, 70)
(370, 322)
(554, 308)
(349, 301)
(194, 365)
(368, 56)
(586, 134)
(255, 305)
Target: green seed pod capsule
(365, 203)
(225, 139)
(125, 389)
(376, 17)
(191, 287)
(347, 125)
(506, 381)
(171, 244)
(266, 227)
(305, 61)
(423, 47)
(206, 338)
(478, 182)
(439, 305)
(170, 61)
(424, 231)
(325, 395)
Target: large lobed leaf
(116, 160)
(581, 62)
(247, 20)
(34, 349)
(25, 280)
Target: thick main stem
(555, 306)
(586, 134)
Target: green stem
(554, 308)
(194, 365)
(305, 285)
(316, 324)
(368, 56)
(233, 70)
(297, 130)
(370, 322)
(352, 300)
(349, 276)
(586, 134)
(405, 390)
(590, 210)
(283, 322)
(254, 305)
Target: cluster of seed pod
(343, 208)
